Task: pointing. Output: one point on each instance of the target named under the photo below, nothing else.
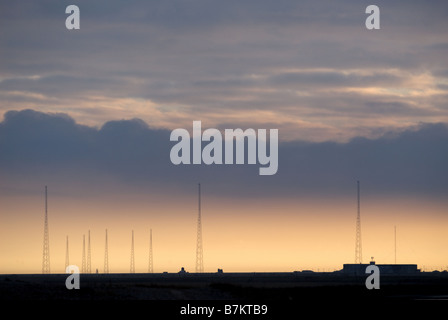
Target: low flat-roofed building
(360, 268)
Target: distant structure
(359, 269)
(46, 251)
(132, 254)
(358, 246)
(150, 267)
(83, 266)
(66, 256)
(182, 271)
(89, 257)
(199, 251)
(106, 257)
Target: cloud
(36, 146)
(309, 67)
(334, 79)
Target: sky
(89, 113)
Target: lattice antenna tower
(132, 254)
(106, 257)
(46, 246)
(199, 249)
(83, 266)
(89, 256)
(358, 247)
(150, 267)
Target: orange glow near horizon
(275, 235)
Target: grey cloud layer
(37, 147)
(212, 59)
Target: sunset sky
(89, 113)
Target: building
(392, 269)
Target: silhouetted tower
(106, 257)
(46, 251)
(132, 254)
(66, 256)
(150, 267)
(89, 257)
(199, 250)
(83, 266)
(358, 248)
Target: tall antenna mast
(66, 256)
(89, 258)
(199, 251)
(132, 254)
(83, 266)
(358, 247)
(46, 251)
(150, 268)
(106, 257)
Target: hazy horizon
(89, 113)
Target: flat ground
(167, 296)
(225, 286)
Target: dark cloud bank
(35, 147)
